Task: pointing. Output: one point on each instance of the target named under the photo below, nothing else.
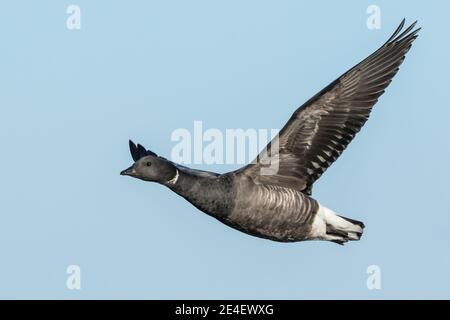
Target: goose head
(148, 166)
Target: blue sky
(71, 99)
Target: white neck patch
(174, 179)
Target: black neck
(211, 193)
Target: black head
(148, 166)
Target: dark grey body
(265, 211)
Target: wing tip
(407, 34)
(138, 151)
(133, 150)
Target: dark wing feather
(320, 130)
(133, 150)
(139, 151)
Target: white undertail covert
(327, 219)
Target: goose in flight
(278, 205)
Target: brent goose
(279, 206)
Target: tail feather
(338, 229)
(359, 223)
(344, 229)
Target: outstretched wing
(320, 130)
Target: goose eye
(148, 164)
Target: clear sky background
(71, 99)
